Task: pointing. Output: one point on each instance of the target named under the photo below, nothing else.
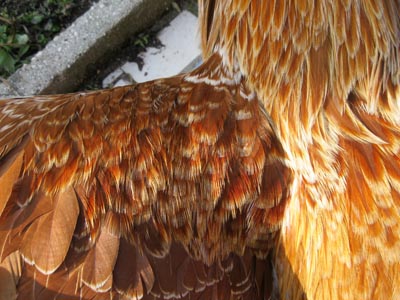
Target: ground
(27, 25)
(132, 47)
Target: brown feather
(51, 240)
(10, 272)
(272, 170)
(133, 275)
(9, 177)
(99, 263)
(18, 218)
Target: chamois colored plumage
(270, 172)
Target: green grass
(27, 25)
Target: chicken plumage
(270, 172)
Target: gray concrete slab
(181, 44)
(61, 66)
(179, 52)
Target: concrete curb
(61, 66)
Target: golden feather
(270, 172)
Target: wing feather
(51, 240)
(10, 272)
(12, 169)
(99, 263)
(141, 191)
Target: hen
(270, 172)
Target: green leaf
(3, 38)
(22, 39)
(3, 28)
(3, 56)
(41, 39)
(36, 19)
(23, 50)
(7, 62)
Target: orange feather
(271, 171)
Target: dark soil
(62, 11)
(134, 46)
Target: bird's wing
(159, 190)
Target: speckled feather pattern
(270, 172)
(147, 172)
